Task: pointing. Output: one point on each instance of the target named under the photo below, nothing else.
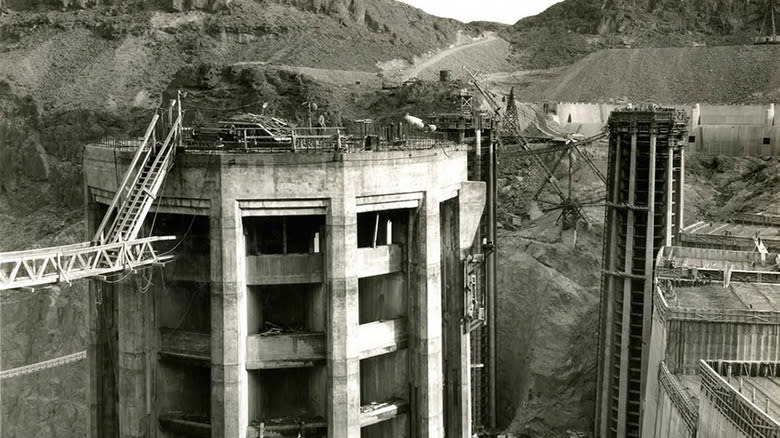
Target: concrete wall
(733, 114)
(668, 421)
(382, 297)
(736, 130)
(652, 405)
(691, 341)
(584, 118)
(588, 113)
(712, 424)
(736, 140)
(733, 130)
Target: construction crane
(512, 133)
(115, 246)
(768, 21)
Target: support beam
(343, 336)
(625, 336)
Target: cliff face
(72, 76)
(718, 17)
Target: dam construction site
(345, 219)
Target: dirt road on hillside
(438, 58)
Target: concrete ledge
(380, 337)
(378, 412)
(381, 260)
(186, 425)
(285, 351)
(285, 427)
(284, 269)
(388, 202)
(183, 346)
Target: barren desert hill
(569, 30)
(734, 74)
(74, 71)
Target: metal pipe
(491, 286)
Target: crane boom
(115, 247)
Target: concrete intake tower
(317, 290)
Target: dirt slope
(726, 74)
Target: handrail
(130, 197)
(117, 196)
(50, 265)
(162, 154)
(38, 251)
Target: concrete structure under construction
(644, 213)
(312, 294)
(713, 356)
(690, 320)
(731, 130)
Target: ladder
(142, 182)
(116, 246)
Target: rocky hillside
(75, 70)
(571, 29)
(678, 75)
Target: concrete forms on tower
(644, 213)
(319, 293)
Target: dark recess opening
(282, 234)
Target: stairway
(142, 182)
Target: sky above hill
(502, 11)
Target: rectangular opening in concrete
(184, 305)
(183, 395)
(283, 234)
(278, 309)
(384, 395)
(387, 227)
(382, 297)
(289, 402)
(192, 232)
(191, 247)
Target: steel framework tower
(643, 213)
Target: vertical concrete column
(647, 308)
(626, 312)
(131, 306)
(343, 312)
(465, 386)
(229, 393)
(608, 300)
(429, 396)
(695, 128)
(670, 196)
(680, 194)
(95, 371)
